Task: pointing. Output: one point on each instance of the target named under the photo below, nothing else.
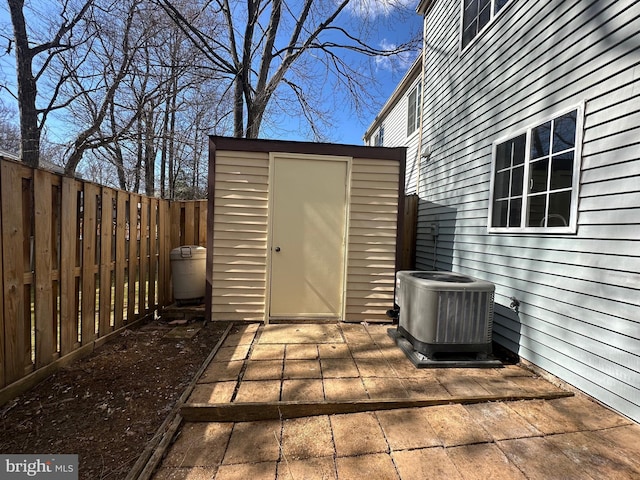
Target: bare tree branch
(30, 127)
(267, 57)
(83, 142)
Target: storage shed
(302, 231)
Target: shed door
(308, 238)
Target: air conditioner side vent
(445, 312)
(464, 317)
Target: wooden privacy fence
(79, 262)
(409, 224)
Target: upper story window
(535, 178)
(378, 140)
(476, 14)
(413, 108)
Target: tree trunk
(172, 132)
(163, 155)
(254, 119)
(196, 166)
(27, 89)
(149, 153)
(119, 161)
(139, 152)
(118, 157)
(238, 107)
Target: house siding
(394, 119)
(579, 314)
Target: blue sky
(389, 26)
(391, 23)
(395, 28)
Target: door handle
(277, 249)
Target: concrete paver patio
(341, 401)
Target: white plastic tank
(188, 272)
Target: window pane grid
(378, 140)
(414, 102)
(546, 171)
(508, 183)
(476, 14)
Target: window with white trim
(378, 140)
(476, 14)
(535, 177)
(414, 103)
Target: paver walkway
(300, 371)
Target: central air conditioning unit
(444, 312)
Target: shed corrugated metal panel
(579, 293)
(238, 260)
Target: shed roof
(309, 148)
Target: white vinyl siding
(411, 142)
(579, 315)
(395, 135)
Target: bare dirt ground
(107, 406)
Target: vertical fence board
(189, 223)
(143, 275)
(69, 240)
(56, 201)
(134, 234)
(3, 361)
(409, 226)
(153, 251)
(89, 234)
(202, 223)
(175, 225)
(106, 232)
(164, 241)
(120, 263)
(45, 258)
(28, 325)
(13, 272)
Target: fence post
(409, 225)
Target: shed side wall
(372, 239)
(240, 236)
(579, 314)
